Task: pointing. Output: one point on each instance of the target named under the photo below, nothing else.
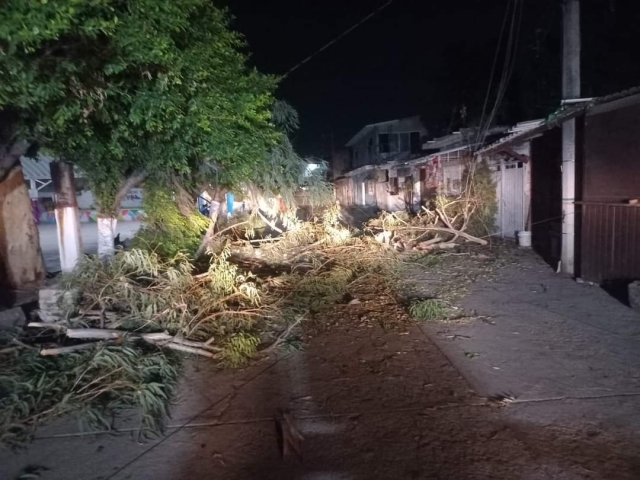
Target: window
(393, 142)
(388, 142)
(45, 185)
(81, 184)
(414, 141)
(383, 142)
(404, 142)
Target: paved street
(89, 233)
(543, 384)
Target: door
(512, 203)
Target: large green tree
(132, 89)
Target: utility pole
(66, 210)
(570, 90)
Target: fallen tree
(444, 221)
(138, 308)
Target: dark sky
(426, 57)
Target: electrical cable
(510, 59)
(336, 39)
(515, 10)
(493, 69)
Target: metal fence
(610, 246)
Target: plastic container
(524, 239)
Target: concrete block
(634, 295)
(12, 319)
(54, 302)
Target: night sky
(431, 58)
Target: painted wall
(133, 199)
(91, 216)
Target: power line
(493, 70)
(336, 39)
(515, 9)
(510, 60)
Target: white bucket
(524, 239)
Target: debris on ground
(253, 296)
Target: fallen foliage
(141, 308)
(90, 385)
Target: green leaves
(116, 87)
(92, 385)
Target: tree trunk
(67, 217)
(106, 236)
(215, 209)
(108, 220)
(21, 264)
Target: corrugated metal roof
(526, 130)
(616, 96)
(465, 137)
(39, 169)
(36, 169)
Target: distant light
(311, 167)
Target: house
(366, 177)
(37, 175)
(403, 180)
(607, 205)
(385, 142)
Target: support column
(570, 90)
(66, 212)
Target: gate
(510, 195)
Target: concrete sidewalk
(567, 353)
(546, 336)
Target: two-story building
(385, 142)
(372, 153)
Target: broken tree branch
(134, 180)
(465, 235)
(283, 336)
(268, 222)
(188, 349)
(73, 348)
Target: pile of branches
(442, 224)
(91, 384)
(118, 346)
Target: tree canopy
(129, 89)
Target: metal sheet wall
(610, 242)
